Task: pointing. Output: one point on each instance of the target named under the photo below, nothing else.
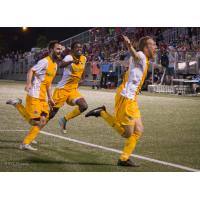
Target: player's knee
(34, 121)
(53, 113)
(42, 125)
(127, 134)
(83, 107)
(139, 128)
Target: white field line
(118, 151)
(112, 150)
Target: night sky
(15, 39)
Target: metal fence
(186, 63)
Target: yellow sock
(73, 113)
(112, 122)
(21, 109)
(33, 133)
(130, 145)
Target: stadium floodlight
(24, 29)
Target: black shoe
(127, 163)
(96, 112)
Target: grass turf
(172, 134)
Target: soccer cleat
(27, 147)
(14, 101)
(34, 142)
(96, 112)
(127, 163)
(63, 122)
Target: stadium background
(105, 45)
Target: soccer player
(127, 120)
(67, 88)
(36, 110)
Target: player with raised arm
(67, 88)
(127, 119)
(36, 110)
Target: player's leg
(111, 120)
(39, 114)
(17, 103)
(75, 99)
(127, 122)
(130, 132)
(132, 135)
(53, 112)
(33, 133)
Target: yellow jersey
(134, 77)
(44, 73)
(72, 74)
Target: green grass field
(172, 134)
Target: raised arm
(131, 48)
(68, 60)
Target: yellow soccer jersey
(44, 73)
(72, 74)
(134, 77)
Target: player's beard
(56, 56)
(151, 54)
(77, 54)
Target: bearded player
(127, 119)
(36, 110)
(66, 90)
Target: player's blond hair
(143, 42)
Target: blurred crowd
(107, 55)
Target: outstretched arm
(131, 48)
(68, 60)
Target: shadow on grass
(11, 141)
(9, 147)
(44, 161)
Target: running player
(127, 120)
(36, 110)
(67, 88)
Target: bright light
(24, 28)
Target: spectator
(105, 67)
(164, 63)
(95, 71)
(171, 67)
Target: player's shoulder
(83, 58)
(141, 55)
(42, 61)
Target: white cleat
(14, 101)
(34, 142)
(27, 147)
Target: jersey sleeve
(68, 58)
(141, 56)
(142, 59)
(41, 65)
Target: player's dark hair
(52, 43)
(143, 42)
(74, 44)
